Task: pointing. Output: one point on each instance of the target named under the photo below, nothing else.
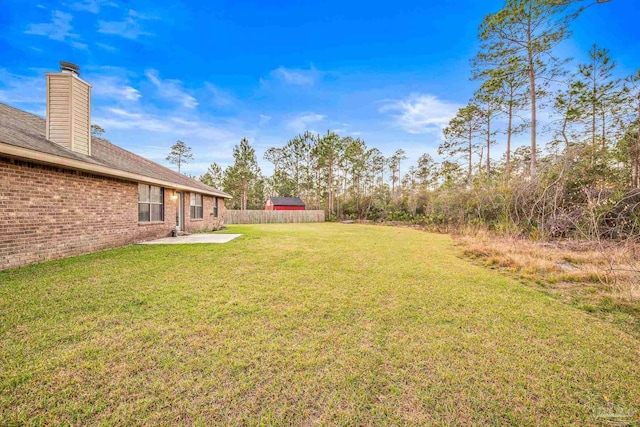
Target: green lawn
(326, 324)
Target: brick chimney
(69, 109)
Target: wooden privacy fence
(272, 217)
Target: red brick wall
(208, 222)
(49, 213)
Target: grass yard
(306, 324)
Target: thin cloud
(220, 97)
(420, 114)
(58, 29)
(15, 89)
(171, 90)
(107, 47)
(91, 6)
(110, 87)
(210, 142)
(303, 122)
(264, 119)
(112, 118)
(119, 118)
(129, 27)
(295, 76)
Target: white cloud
(91, 6)
(172, 90)
(107, 47)
(151, 135)
(129, 27)
(15, 89)
(110, 87)
(419, 114)
(58, 29)
(220, 97)
(264, 119)
(295, 76)
(302, 122)
(119, 118)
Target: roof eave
(65, 162)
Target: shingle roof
(27, 130)
(287, 201)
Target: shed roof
(25, 130)
(286, 201)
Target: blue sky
(211, 72)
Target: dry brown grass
(600, 277)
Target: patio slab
(193, 238)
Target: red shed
(284, 204)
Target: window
(215, 207)
(196, 206)
(150, 203)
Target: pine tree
(328, 150)
(488, 101)
(426, 171)
(97, 131)
(394, 167)
(241, 177)
(529, 31)
(503, 78)
(213, 176)
(460, 135)
(632, 137)
(599, 96)
(567, 109)
(179, 154)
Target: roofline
(285, 197)
(282, 197)
(54, 160)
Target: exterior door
(179, 212)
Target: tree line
(579, 175)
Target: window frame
(216, 208)
(150, 203)
(195, 209)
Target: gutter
(54, 160)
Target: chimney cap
(69, 68)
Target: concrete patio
(192, 239)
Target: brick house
(64, 192)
